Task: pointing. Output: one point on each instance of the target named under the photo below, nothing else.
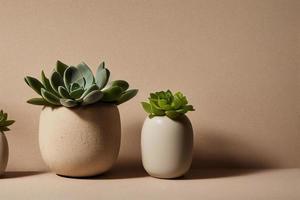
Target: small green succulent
(71, 86)
(166, 103)
(4, 122)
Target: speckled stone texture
(80, 142)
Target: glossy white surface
(82, 141)
(167, 146)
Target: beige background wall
(237, 61)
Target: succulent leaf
(167, 104)
(112, 94)
(56, 80)
(35, 84)
(120, 83)
(87, 74)
(75, 94)
(156, 111)
(68, 103)
(51, 98)
(92, 97)
(4, 122)
(63, 92)
(89, 90)
(102, 76)
(39, 102)
(73, 75)
(47, 84)
(189, 108)
(61, 68)
(147, 107)
(74, 86)
(173, 114)
(129, 94)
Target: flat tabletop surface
(136, 184)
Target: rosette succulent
(71, 86)
(4, 122)
(166, 103)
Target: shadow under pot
(167, 146)
(82, 141)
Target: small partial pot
(82, 141)
(3, 153)
(167, 146)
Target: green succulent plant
(71, 86)
(4, 122)
(166, 103)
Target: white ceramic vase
(81, 141)
(167, 146)
(3, 153)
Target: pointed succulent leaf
(189, 108)
(75, 94)
(156, 111)
(61, 68)
(102, 65)
(89, 90)
(1, 115)
(147, 107)
(162, 103)
(74, 86)
(173, 114)
(51, 98)
(45, 81)
(182, 111)
(63, 92)
(68, 103)
(161, 94)
(176, 103)
(38, 102)
(180, 97)
(35, 84)
(87, 74)
(112, 94)
(56, 80)
(92, 97)
(153, 96)
(47, 84)
(154, 103)
(73, 75)
(4, 117)
(122, 84)
(7, 123)
(102, 76)
(129, 94)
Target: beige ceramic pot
(82, 141)
(3, 153)
(167, 146)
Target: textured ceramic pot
(82, 141)
(167, 146)
(3, 153)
